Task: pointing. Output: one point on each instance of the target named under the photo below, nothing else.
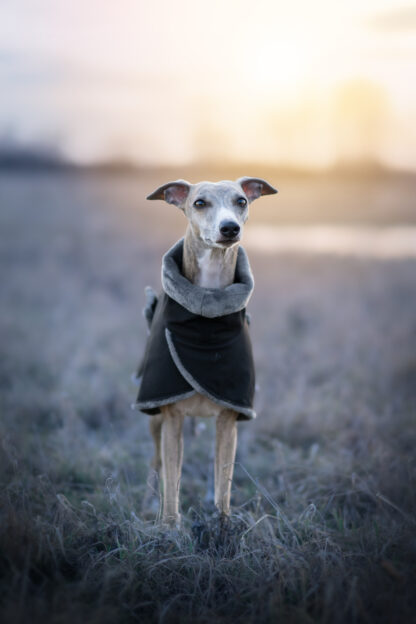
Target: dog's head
(216, 211)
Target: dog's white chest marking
(209, 271)
(212, 273)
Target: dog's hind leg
(226, 444)
(172, 454)
(152, 484)
(156, 431)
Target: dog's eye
(199, 203)
(241, 201)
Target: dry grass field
(324, 497)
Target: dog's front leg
(226, 444)
(172, 453)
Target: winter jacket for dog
(198, 341)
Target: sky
(298, 83)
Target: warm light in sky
(291, 70)
(300, 82)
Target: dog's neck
(208, 267)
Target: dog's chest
(210, 275)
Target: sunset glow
(299, 83)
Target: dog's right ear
(172, 192)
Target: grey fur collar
(209, 302)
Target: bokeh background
(100, 104)
(298, 83)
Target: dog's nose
(229, 229)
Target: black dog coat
(198, 341)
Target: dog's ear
(255, 187)
(172, 192)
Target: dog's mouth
(228, 242)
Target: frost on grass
(323, 519)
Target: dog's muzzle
(229, 230)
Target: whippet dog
(216, 213)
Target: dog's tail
(148, 313)
(150, 305)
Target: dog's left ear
(172, 192)
(255, 187)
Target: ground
(323, 524)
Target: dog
(198, 359)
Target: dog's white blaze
(224, 214)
